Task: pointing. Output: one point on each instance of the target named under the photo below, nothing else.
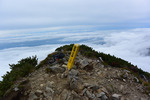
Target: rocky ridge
(88, 80)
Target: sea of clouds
(131, 45)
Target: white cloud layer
(13, 55)
(131, 45)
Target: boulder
(74, 72)
(76, 85)
(56, 69)
(83, 63)
(102, 95)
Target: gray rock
(74, 72)
(16, 88)
(66, 62)
(98, 65)
(48, 92)
(116, 96)
(94, 87)
(63, 75)
(125, 76)
(124, 80)
(75, 96)
(49, 84)
(121, 87)
(100, 59)
(84, 98)
(84, 63)
(90, 60)
(64, 66)
(89, 94)
(76, 85)
(143, 99)
(56, 69)
(70, 97)
(136, 79)
(32, 96)
(86, 85)
(64, 95)
(70, 77)
(38, 92)
(41, 85)
(102, 95)
(84, 91)
(126, 71)
(102, 89)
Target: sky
(38, 27)
(22, 14)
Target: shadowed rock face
(91, 80)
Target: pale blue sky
(20, 14)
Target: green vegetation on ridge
(21, 69)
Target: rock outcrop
(88, 80)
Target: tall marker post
(73, 55)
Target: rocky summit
(89, 79)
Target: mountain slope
(90, 79)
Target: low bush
(21, 69)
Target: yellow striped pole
(73, 55)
